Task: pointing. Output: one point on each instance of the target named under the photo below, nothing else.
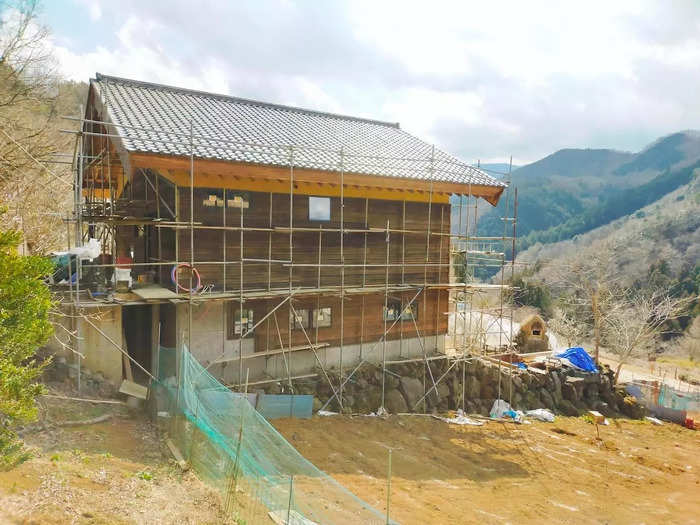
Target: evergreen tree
(25, 301)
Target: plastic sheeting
(462, 419)
(579, 358)
(541, 414)
(87, 251)
(276, 406)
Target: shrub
(24, 326)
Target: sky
(481, 80)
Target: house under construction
(276, 243)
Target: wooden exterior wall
(269, 212)
(429, 314)
(409, 249)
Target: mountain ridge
(564, 187)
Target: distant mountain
(656, 245)
(570, 163)
(667, 229)
(574, 191)
(498, 169)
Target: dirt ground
(118, 471)
(114, 472)
(504, 473)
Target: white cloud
(93, 7)
(418, 109)
(482, 79)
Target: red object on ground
(689, 423)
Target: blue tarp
(579, 358)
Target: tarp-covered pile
(577, 357)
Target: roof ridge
(99, 77)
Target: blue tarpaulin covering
(579, 358)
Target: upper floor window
(312, 318)
(319, 208)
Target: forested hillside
(613, 233)
(574, 191)
(666, 231)
(35, 181)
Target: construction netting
(664, 401)
(678, 400)
(262, 477)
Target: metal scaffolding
(99, 211)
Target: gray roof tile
(156, 119)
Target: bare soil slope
(502, 473)
(114, 472)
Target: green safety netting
(261, 476)
(670, 398)
(657, 394)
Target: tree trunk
(617, 371)
(596, 326)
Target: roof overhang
(237, 175)
(95, 101)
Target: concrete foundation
(100, 356)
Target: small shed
(532, 336)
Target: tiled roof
(156, 119)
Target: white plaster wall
(209, 342)
(100, 356)
(303, 362)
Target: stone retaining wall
(563, 391)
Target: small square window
(321, 318)
(235, 323)
(319, 208)
(301, 319)
(394, 309)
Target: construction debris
(133, 389)
(98, 401)
(542, 414)
(461, 419)
(82, 422)
(177, 455)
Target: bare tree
(567, 326)
(636, 322)
(26, 69)
(590, 287)
(35, 191)
(690, 343)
